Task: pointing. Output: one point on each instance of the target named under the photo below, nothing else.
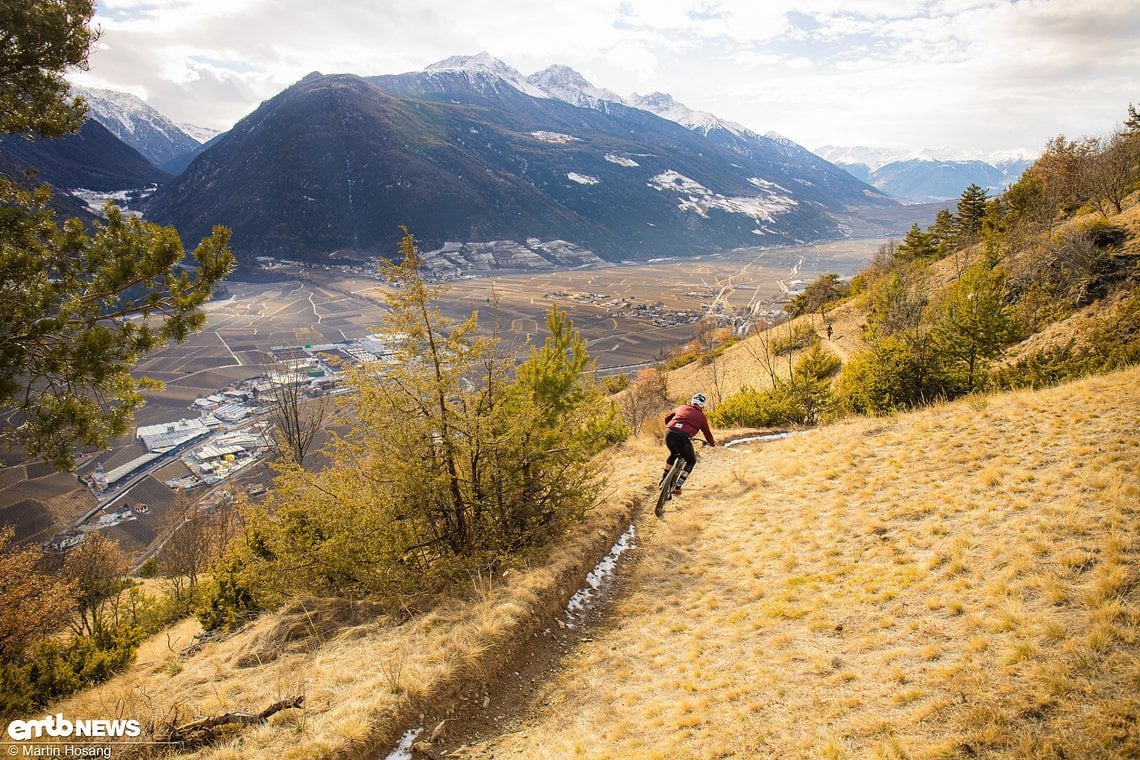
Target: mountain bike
(669, 482)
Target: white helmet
(699, 401)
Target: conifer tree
(78, 309)
(454, 461)
(972, 324)
(42, 40)
(1132, 123)
(971, 213)
(917, 245)
(943, 233)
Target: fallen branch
(203, 730)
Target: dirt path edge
(564, 574)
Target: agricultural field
(631, 314)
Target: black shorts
(680, 445)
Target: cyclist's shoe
(676, 491)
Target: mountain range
(91, 159)
(928, 175)
(469, 151)
(143, 128)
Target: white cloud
(976, 74)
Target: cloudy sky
(983, 75)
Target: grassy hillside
(741, 364)
(365, 675)
(955, 582)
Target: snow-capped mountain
(201, 135)
(864, 155)
(912, 176)
(567, 85)
(666, 107)
(874, 157)
(482, 71)
(137, 124)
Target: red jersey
(689, 420)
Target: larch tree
(1108, 172)
(457, 457)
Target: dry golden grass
(963, 582)
(741, 366)
(365, 677)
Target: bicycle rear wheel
(667, 486)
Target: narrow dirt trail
(489, 720)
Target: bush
(55, 668)
(1110, 343)
(817, 363)
(898, 372)
(60, 666)
(615, 383)
(805, 398)
(685, 356)
(608, 429)
(646, 396)
(798, 337)
(227, 596)
(149, 569)
(749, 407)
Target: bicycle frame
(669, 482)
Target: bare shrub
(297, 413)
(197, 537)
(33, 604)
(646, 396)
(97, 568)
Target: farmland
(631, 314)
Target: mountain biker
(681, 425)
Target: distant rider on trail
(681, 425)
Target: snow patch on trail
(403, 751)
(757, 438)
(598, 579)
